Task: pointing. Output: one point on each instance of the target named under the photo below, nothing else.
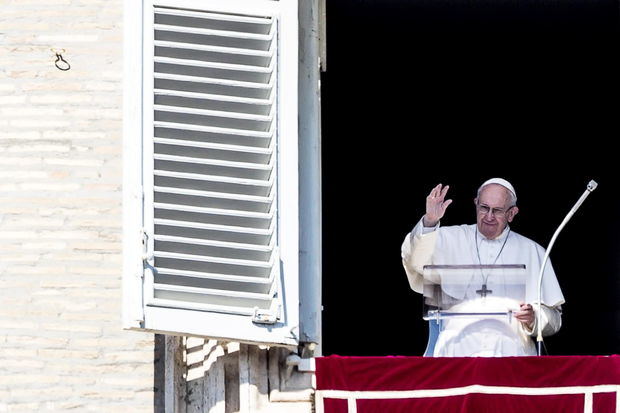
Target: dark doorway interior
(422, 92)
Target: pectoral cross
(483, 292)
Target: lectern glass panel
(473, 290)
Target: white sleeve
(551, 321)
(416, 252)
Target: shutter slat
(214, 219)
(217, 281)
(194, 248)
(217, 277)
(238, 84)
(212, 184)
(193, 111)
(226, 308)
(214, 16)
(214, 159)
(207, 291)
(214, 200)
(218, 107)
(214, 178)
(212, 266)
(200, 128)
(209, 145)
(226, 228)
(206, 96)
(223, 90)
(213, 299)
(174, 30)
(248, 247)
(213, 168)
(206, 194)
(215, 54)
(205, 210)
(235, 123)
(219, 260)
(212, 137)
(202, 161)
(246, 74)
(232, 217)
(211, 32)
(168, 227)
(215, 65)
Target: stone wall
(61, 342)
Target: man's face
(493, 210)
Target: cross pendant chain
(484, 291)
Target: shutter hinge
(265, 316)
(146, 254)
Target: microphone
(591, 187)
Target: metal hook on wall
(61, 63)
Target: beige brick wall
(61, 342)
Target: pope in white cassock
(488, 243)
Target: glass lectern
(473, 307)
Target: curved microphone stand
(591, 187)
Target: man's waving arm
(417, 248)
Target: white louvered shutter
(218, 164)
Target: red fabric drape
(401, 374)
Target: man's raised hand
(436, 205)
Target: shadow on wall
(201, 375)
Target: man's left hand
(525, 315)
